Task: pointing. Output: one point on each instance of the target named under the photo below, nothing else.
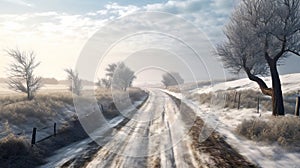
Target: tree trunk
(28, 90)
(277, 98)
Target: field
(52, 104)
(257, 135)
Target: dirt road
(162, 135)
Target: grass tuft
(17, 152)
(283, 130)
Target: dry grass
(175, 89)
(283, 130)
(16, 109)
(248, 100)
(17, 152)
(104, 97)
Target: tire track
(134, 145)
(164, 133)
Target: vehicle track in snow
(161, 134)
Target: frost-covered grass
(267, 149)
(16, 109)
(249, 99)
(18, 116)
(105, 97)
(226, 120)
(283, 130)
(17, 152)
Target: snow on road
(70, 153)
(155, 136)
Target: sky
(59, 31)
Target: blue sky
(68, 6)
(57, 30)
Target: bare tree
(76, 85)
(260, 34)
(21, 72)
(172, 78)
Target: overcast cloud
(54, 34)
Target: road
(156, 136)
(165, 133)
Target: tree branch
(276, 58)
(263, 86)
(292, 51)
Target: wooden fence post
(54, 129)
(33, 136)
(102, 110)
(235, 98)
(239, 101)
(297, 106)
(258, 104)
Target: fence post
(239, 102)
(54, 129)
(101, 106)
(258, 104)
(297, 106)
(235, 98)
(33, 136)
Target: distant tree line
(22, 78)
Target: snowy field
(289, 83)
(225, 120)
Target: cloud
(62, 35)
(57, 38)
(19, 2)
(208, 15)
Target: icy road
(162, 134)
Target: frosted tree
(123, 77)
(172, 78)
(119, 76)
(76, 85)
(21, 72)
(259, 35)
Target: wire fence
(243, 99)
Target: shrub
(11, 146)
(283, 130)
(17, 152)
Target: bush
(283, 130)
(11, 146)
(17, 152)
